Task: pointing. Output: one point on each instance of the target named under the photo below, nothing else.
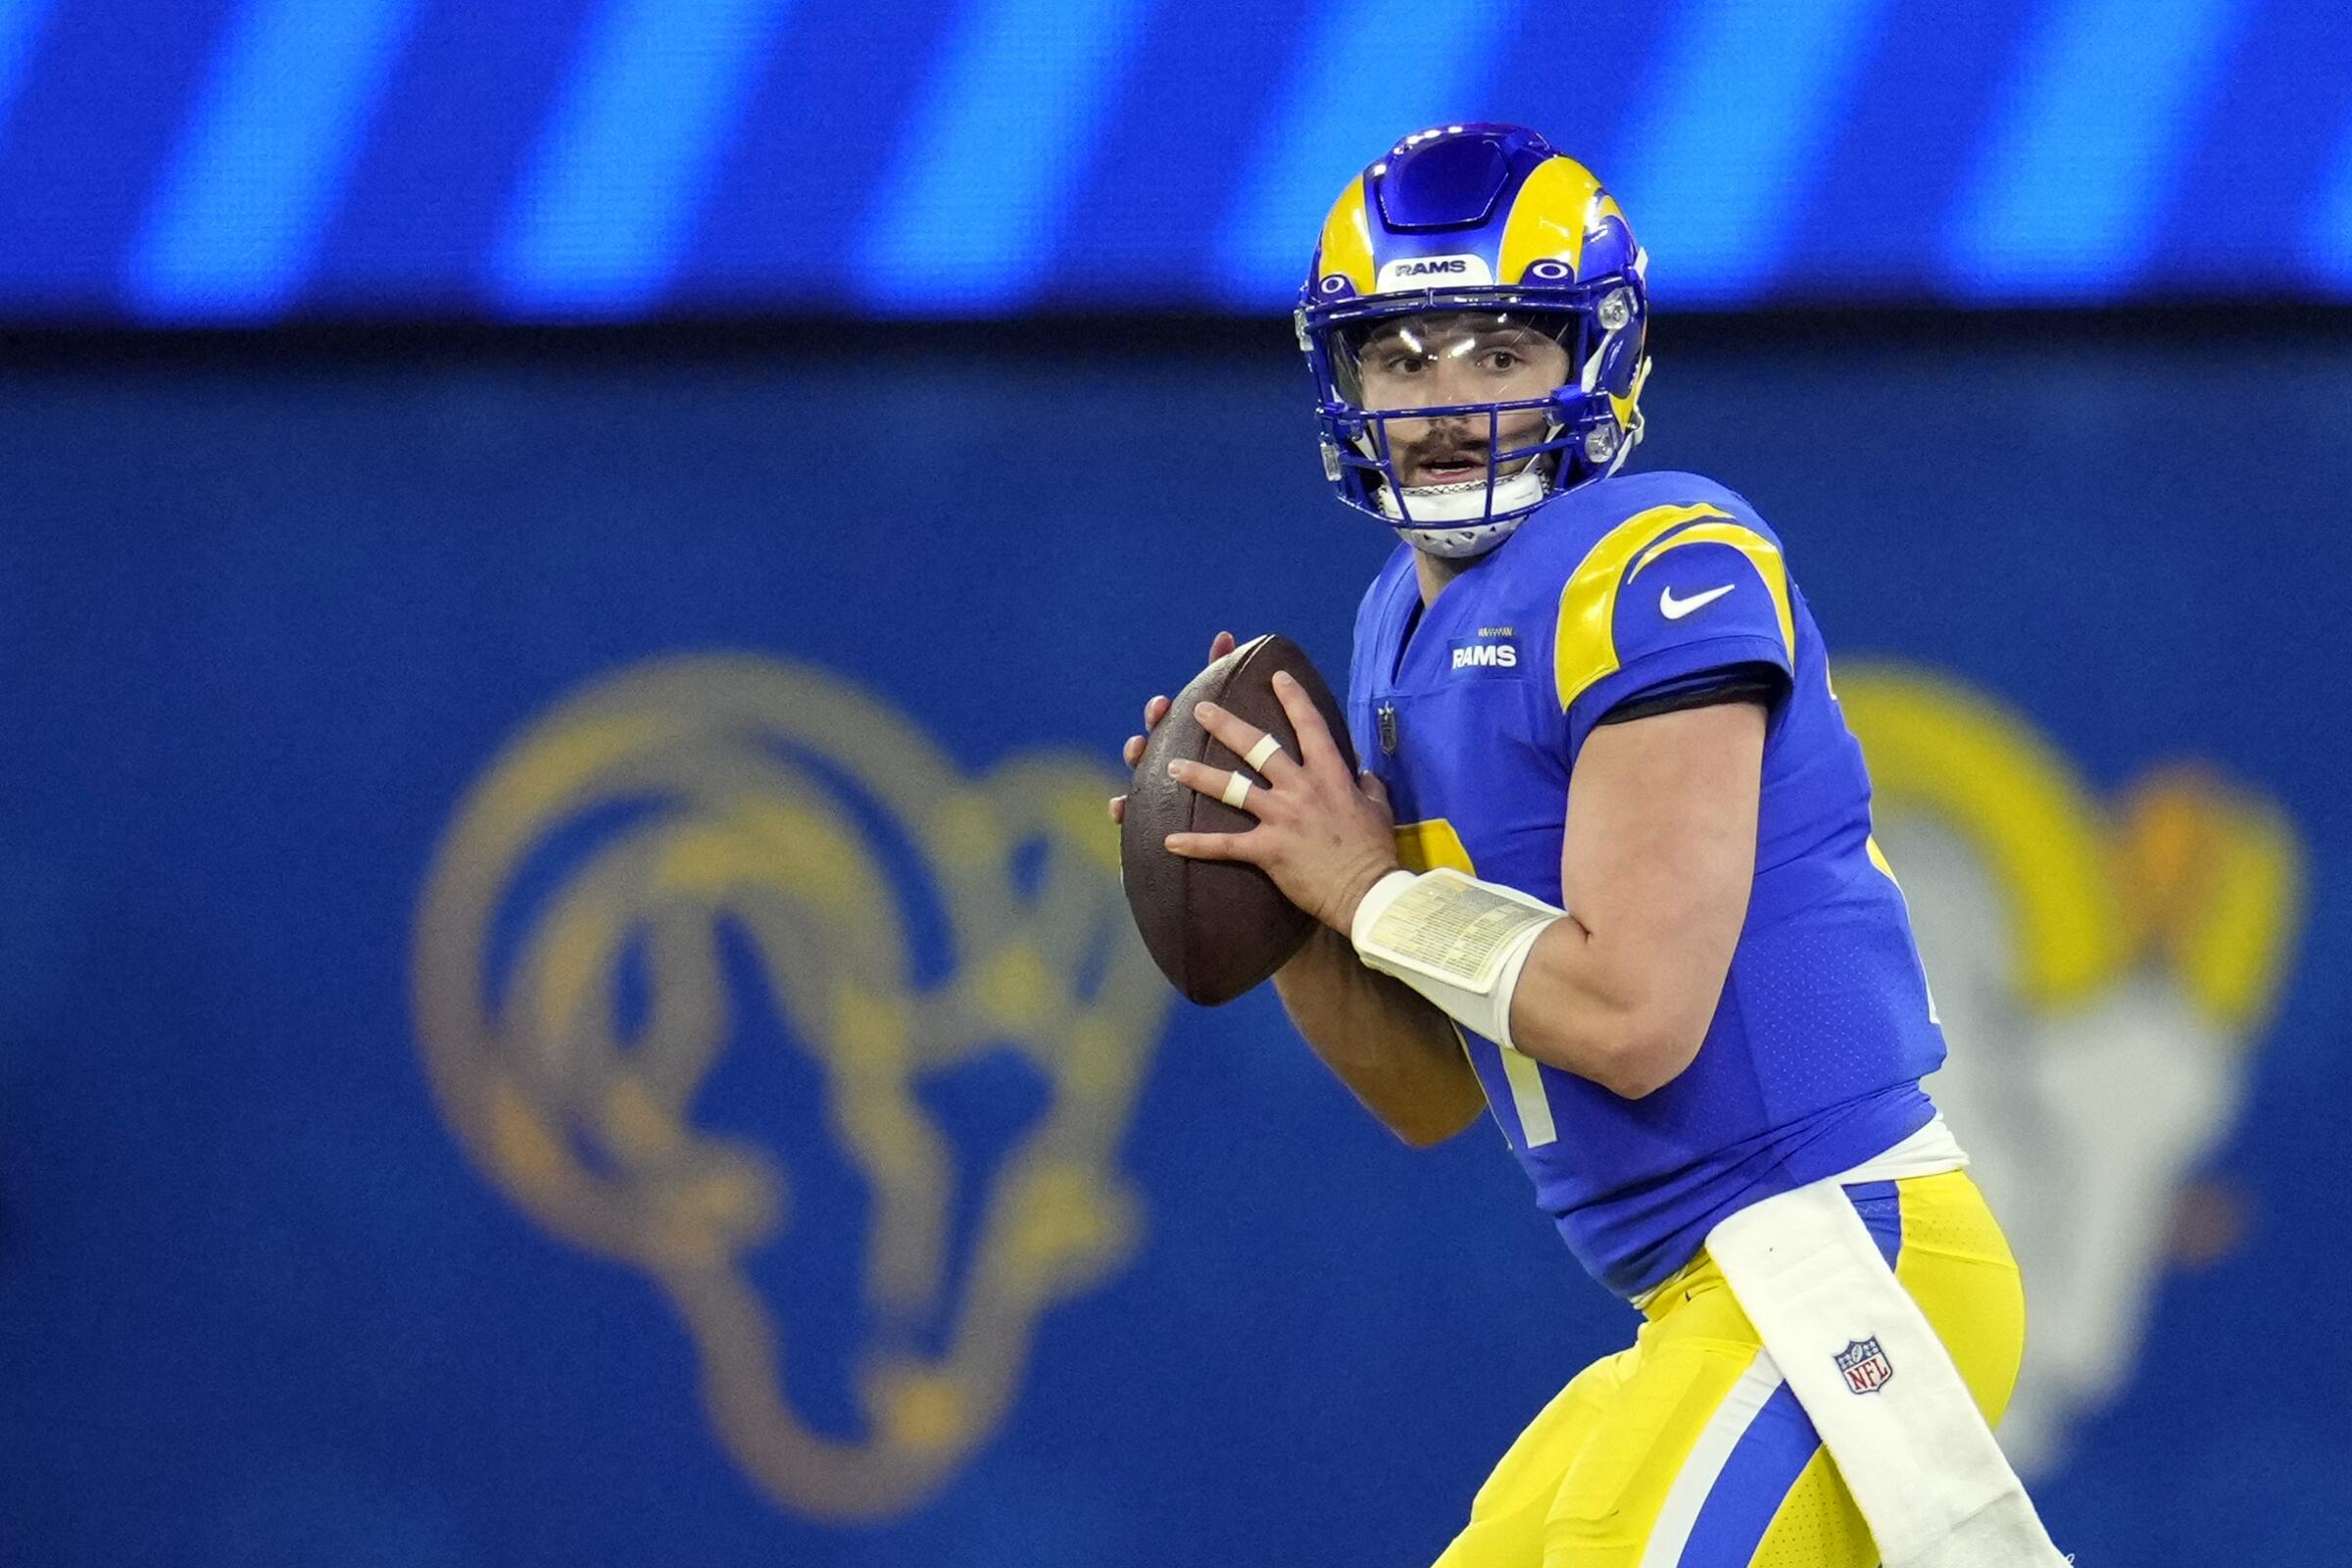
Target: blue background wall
(267, 624)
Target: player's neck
(1435, 572)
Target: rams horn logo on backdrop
(702, 848)
(2104, 970)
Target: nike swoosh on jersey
(1674, 609)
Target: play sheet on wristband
(1452, 928)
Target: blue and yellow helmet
(1474, 222)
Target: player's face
(1424, 361)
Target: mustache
(1449, 449)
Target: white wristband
(1459, 942)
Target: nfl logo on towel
(1865, 1366)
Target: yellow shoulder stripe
(1347, 239)
(1585, 642)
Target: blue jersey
(1473, 712)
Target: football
(1217, 928)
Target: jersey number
(1423, 847)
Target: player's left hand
(1323, 836)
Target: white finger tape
(1266, 747)
(1237, 790)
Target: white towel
(1879, 1386)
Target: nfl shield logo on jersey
(1865, 1366)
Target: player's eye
(1503, 359)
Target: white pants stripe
(1713, 1450)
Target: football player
(1608, 875)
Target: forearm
(1616, 999)
(1394, 1049)
(1587, 1006)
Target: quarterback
(1608, 875)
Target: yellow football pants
(1686, 1452)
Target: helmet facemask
(1454, 415)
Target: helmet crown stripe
(1549, 219)
(1347, 250)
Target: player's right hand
(1153, 712)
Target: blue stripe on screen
(1727, 143)
(2067, 194)
(236, 219)
(628, 155)
(2330, 229)
(19, 25)
(993, 154)
(1369, 74)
